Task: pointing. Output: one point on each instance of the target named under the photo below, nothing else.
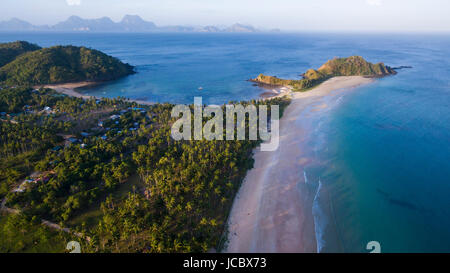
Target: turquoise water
(384, 148)
(387, 160)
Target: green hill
(61, 64)
(351, 66)
(10, 51)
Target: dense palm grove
(110, 171)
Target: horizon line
(257, 28)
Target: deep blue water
(386, 145)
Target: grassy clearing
(93, 215)
(18, 235)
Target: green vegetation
(10, 51)
(124, 182)
(23, 138)
(20, 234)
(107, 169)
(354, 66)
(61, 64)
(297, 85)
(190, 186)
(351, 66)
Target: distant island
(25, 63)
(351, 66)
(129, 23)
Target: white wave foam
(320, 219)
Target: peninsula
(272, 211)
(351, 66)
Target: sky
(289, 15)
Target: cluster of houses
(4, 117)
(6, 86)
(115, 118)
(9, 115)
(47, 109)
(71, 139)
(43, 178)
(27, 109)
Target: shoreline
(272, 211)
(276, 92)
(69, 89)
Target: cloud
(73, 2)
(374, 2)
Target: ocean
(383, 148)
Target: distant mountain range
(129, 23)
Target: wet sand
(272, 210)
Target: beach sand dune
(272, 210)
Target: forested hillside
(61, 64)
(10, 51)
(351, 66)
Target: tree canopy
(10, 51)
(127, 184)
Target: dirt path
(49, 224)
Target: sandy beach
(272, 210)
(70, 90)
(276, 93)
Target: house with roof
(57, 148)
(73, 140)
